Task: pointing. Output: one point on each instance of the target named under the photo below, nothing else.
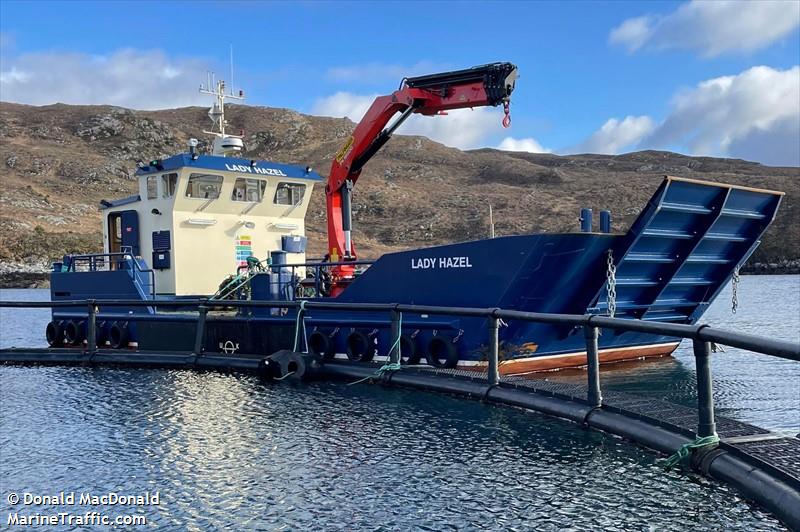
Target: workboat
(223, 227)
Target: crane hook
(507, 117)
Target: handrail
(128, 256)
(768, 346)
(128, 250)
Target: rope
(300, 316)
(253, 266)
(397, 342)
(389, 366)
(224, 292)
(285, 376)
(686, 448)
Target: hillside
(57, 162)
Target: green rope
(253, 266)
(300, 317)
(686, 448)
(389, 366)
(224, 289)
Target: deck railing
(297, 286)
(702, 336)
(122, 260)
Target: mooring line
(685, 449)
(300, 316)
(391, 366)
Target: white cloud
(633, 33)
(381, 72)
(711, 27)
(778, 145)
(754, 115)
(529, 145)
(616, 135)
(461, 128)
(127, 78)
(344, 105)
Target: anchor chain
(611, 284)
(735, 291)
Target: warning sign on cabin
(244, 249)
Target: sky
(713, 77)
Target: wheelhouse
(188, 205)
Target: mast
(224, 144)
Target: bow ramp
(684, 247)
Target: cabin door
(123, 229)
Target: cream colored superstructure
(204, 233)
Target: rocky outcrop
(33, 274)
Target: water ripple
(230, 452)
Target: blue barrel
(294, 243)
(280, 278)
(586, 220)
(278, 259)
(605, 221)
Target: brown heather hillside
(57, 162)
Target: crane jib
(498, 80)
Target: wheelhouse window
(204, 186)
(289, 194)
(168, 184)
(152, 187)
(250, 190)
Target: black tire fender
(75, 332)
(360, 347)
(409, 350)
(118, 335)
(442, 352)
(54, 333)
(321, 344)
(100, 334)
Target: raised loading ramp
(684, 247)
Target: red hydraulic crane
(428, 95)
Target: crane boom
(487, 85)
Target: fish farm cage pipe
(767, 490)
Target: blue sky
(711, 78)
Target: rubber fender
(101, 334)
(54, 333)
(75, 332)
(321, 344)
(360, 347)
(409, 350)
(269, 369)
(296, 366)
(118, 335)
(442, 352)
